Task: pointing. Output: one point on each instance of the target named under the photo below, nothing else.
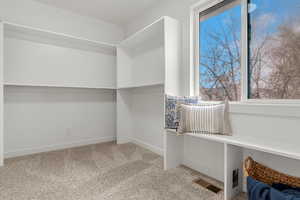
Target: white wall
(41, 118)
(133, 74)
(262, 121)
(34, 63)
(32, 13)
(148, 128)
(140, 117)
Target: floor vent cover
(207, 185)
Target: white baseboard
(23, 152)
(123, 140)
(150, 147)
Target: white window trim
(194, 56)
(194, 42)
(244, 51)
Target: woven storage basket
(268, 175)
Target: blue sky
(280, 10)
(217, 24)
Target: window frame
(195, 10)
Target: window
(219, 55)
(274, 45)
(247, 50)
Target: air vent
(207, 185)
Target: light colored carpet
(98, 172)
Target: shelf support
(233, 171)
(173, 150)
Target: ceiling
(114, 11)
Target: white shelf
(140, 86)
(41, 58)
(57, 86)
(27, 32)
(267, 145)
(141, 57)
(151, 32)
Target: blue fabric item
(287, 189)
(261, 191)
(171, 103)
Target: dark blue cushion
(287, 189)
(261, 191)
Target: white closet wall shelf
(55, 86)
(40, 58)
(45, 36)
(148, 33)
(142, 57)
(140, 86)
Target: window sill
(272, 109)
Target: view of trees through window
(219, 42)
(274, 65)
(274, 51)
